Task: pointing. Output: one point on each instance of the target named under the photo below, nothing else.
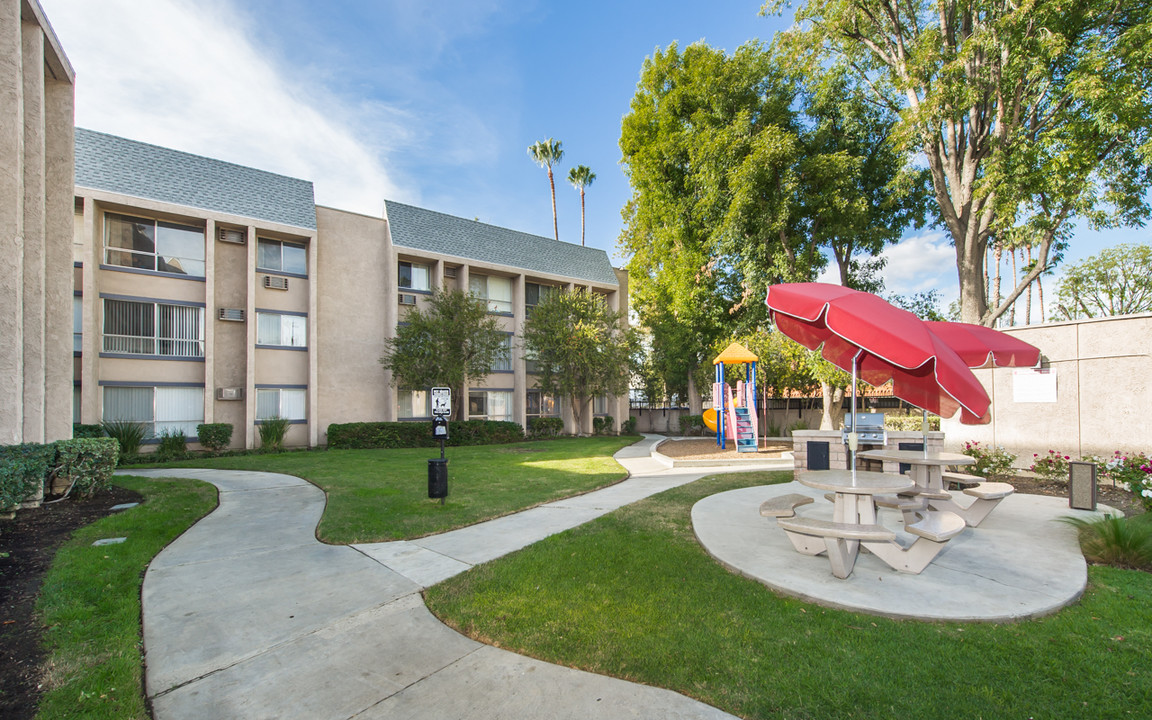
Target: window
(148, 328)
(535, 293)
(412, 404)
(279, 330)
(75, 404)
(496, 290)
(153, 245)
(281, 402)
(503, 363)
(77, 323)
(414, 276)
(158, 408)
(285, 257)
(490, 405)
(600, 405)
(542, 405)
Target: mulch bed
(27, 545)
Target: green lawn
(377, 495)
(90, 602)
(633, 595)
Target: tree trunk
(1015, 274)
(833, 406)
(1040, 297)
(1028, 300)
(581, 217)
(695, 405)
(552, 184)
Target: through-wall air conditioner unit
(450, 272)
(407, 299)
(229, 393)
(228, 235)
(275, 283)
(231, 314)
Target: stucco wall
(1103, 397)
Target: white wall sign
(1034, 386)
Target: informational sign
(1034, 386)
(441, 401)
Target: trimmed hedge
(214, 436)
(79, 430)
(691, 424)
(545, 427)
(22, 469)
(360, 436)
(86, 464)
(603, 425)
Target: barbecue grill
(869, 429)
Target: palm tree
(545, 153)
(581, 177)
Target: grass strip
(90, 602)
(378, 495)
(633, 595)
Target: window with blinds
(277, 330)
(146, 328)
(286, 403)
(159, 409)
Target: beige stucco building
(211, 292)
(36, 111)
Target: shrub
(798, 425)
(214, 436)
(775, 431)
(603, 425)
(86, 464)
(911, 423)
(991, 463)
(22, 469)
(1119, 541)
(272, 432)
(545, 427)
(628, 427)
(1052, 466)
(1133, 472)
(691, 424)
(172, 443)
(352, 436)
(79, 430)
(129, 434)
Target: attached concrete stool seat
(988, 495)
(961, 480)
(812, 536)
(783, 505)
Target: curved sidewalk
(247, 615)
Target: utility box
(1082, 485)
(437, 478)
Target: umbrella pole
(853, 438)
(924, 429)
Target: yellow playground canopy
(735, 353)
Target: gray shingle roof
(430, 231)
(116, 164)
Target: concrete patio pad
(1020, 562)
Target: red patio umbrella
(980, 346)
(863, 332)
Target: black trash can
(437, 478)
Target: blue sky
(430, 103)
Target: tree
(547, 153)
(1027, 115)
(455, 339)
(581, 177)
(1117, 281)
(581, 347)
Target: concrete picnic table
(927, 468)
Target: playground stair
(745, 433)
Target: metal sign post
(438, 468)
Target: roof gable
(116, 164)
(429, 231)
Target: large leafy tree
(1027, 115)
(581, 177)
(453, 340)
(547, 153)
(581, 347)
(1117, 281)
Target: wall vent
(231, 314)
(229, 393)
(450, 272)
(228, 235)
(407, 299)
(275, 283)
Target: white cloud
(922, 262)
(187, 76)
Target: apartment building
(36, 109)
(211, 292)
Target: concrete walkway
(247, 615)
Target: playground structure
(733, 415)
